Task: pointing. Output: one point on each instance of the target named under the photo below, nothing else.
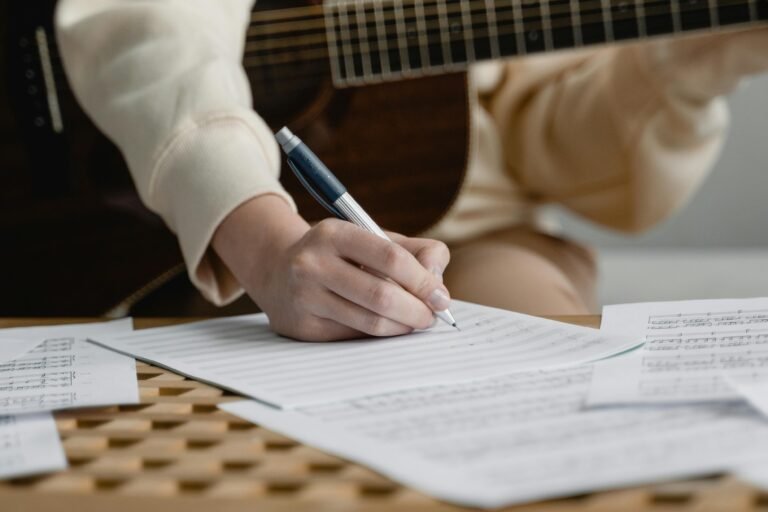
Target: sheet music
(242, 354)
(29, 444)
(520, 437)
(11, 348)
(692, 350)
(65, 371)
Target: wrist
(253, 237)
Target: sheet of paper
(29, 444)
(755, 474)
(65, 371)
(754, 390)
(691, 350)
(520, 437)
(242, 354)
(11, 348)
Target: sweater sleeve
(598, 132)
(163, 79)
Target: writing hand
(332, 281)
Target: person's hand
(702, 67)
(332, 281)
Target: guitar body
(77, 240)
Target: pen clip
(335, 211)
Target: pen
(328, 191)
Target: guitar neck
(384, 40)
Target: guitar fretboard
(374, 41)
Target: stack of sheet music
(43, 369)
(511, 409)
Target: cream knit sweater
(604, 132)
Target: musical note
(67, 371)
(692, 352)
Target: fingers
(359, 319)
(432, 254)
(380, 298)
(316, 329)
(393, 261)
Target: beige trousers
(526, 271)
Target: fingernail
(438, 272)
(439, 300)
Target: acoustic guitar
(377, 88)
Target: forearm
(603, 136)
(163, 79)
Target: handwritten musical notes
(242, 354)
(29, 444)
(692, 352)
(65, 371)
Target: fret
(421, 24)
(507, 30)
(520, 27)
(458, 40)
(331, 32)
(389, 21)
(445, 34)
(624, 20)
(578, 37)
(592, 27)
(729, 13)
(659, 19)
(413, 37)
(350, 63)
(361, 27)
(694, 15)
(381, 32)
(493, 29)
(642, 28)
(562, 23)
(480, 24)
(546, 25)
(677, 23)
(714, 15)
(402, 37)
(434, 34)
(607, 20)
(469, 36)
(532, 27)
(753, 12)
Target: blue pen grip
(316, 173)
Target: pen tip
(456, 326)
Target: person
(621, 135)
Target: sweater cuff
(210, 168)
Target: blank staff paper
(242, 354)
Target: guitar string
(319, 36)
(299, 79)
(595, 18)
(528, 24)
(320, 55)
(318, 21)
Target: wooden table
(176, 452)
